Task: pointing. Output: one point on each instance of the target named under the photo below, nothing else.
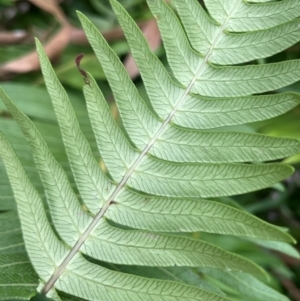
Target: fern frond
(259, 38)
(159, 181)
(46, 252)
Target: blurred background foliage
(56, 25)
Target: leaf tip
(39, 48)
(79, 14)
(37, 43)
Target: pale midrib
(49, 284)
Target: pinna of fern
(177, 158)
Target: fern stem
(49, 284)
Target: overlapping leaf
(161, 183)
(18, 280)
(246, 285)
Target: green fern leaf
(265, 15)
(278, 246)
(158, 187)
(184, 215)
(18, 279)
(183, 274)
(46, 252)
(246, 285)
(69, 223)
(88, 176)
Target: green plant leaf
(149, 249)
(18, 279)
(88, 176)
(180, 274)
(196, 112)
(37, 233)
(112, 144)
(65, 208)
(246, 285)
(205, 180)
(236, 48)
(45, 251)
(278, 246)
(252, 17)
(70, 221)
(160, 176)
(184, 215)
(179, 145)
(209, 80)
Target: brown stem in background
(53, 8)
(30, 61)
(15, 37)
(290, 286)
